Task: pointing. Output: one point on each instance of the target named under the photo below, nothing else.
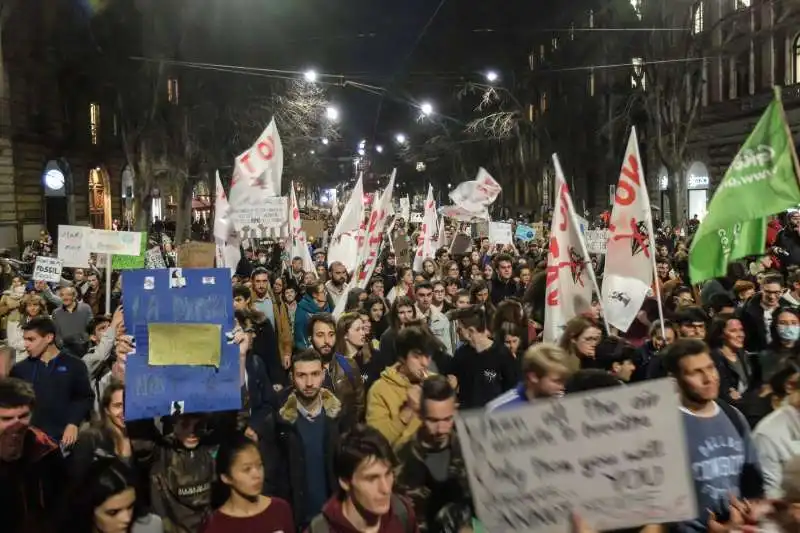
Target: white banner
(570, 278)
(47, 269)
(256, 178)
(500, 233)
(103, 241)
(616, 457)
(596, 240)
(405, 208)
(628, 273)
(70, 247)
(425, 239)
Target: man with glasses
(691, 323)
(756, 315)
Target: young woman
(430, 270)
(785, 335)
(240, 506)
(726, 338)
(32, 306)
(353, 342)
(513, 336)
(376, 307)
(405, 284)
(105, 502)
(580, 339)
(355, 298)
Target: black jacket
(500, 290)
(265, 345)
(752, 317)
(63, 393)
(292, 451)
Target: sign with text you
(615, 457)
(202, 298)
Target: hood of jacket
(394, 377)
(330, 403)
(390, 523)
(308, 305)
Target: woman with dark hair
(726, 338)
(405, 284)
(375, 306)
(580, 339)
(352, 343)
(513, 336)
(355, 299)
(785, 343)
(105, 502)
(236, 493)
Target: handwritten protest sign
(70, 247)
(596, 240)
(112, 242)
(616, 457)
(204, 380)
(130, 262)
(500, 233)
(196, 255)
(47, 269)
(154, 259)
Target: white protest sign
(70, 247)
(616, 457)
(596, 240)
(500, 233)
(272, 212)
(47, 269)
(102, 241)
(154, 259)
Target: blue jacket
(305, 308)
(510, 399)
(63, 393)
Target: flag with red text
(298, 238)
(256, 176)
(426, 233)
(628, 273)
(570, 279)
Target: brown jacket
(348, 386)
(283, 328)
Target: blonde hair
(543, 359)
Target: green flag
(761, 181)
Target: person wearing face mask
(785, 343)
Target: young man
(756, 315)
(336, 284)
(393, 401)
(616, 356)
(723, 458)
(308, 432)
(32, 470)
(432, 471)
(544, 372)
(437, 322)
(484, 369)
(263, 294)
(342, 375)
(61, 381)
(365, 465)
(502, 285)
(315, 301)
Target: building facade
(60, 156)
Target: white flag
(256, 176)
(628, 273)
(476, 196)
(299, 246)
(344, 241)
(228, 252)
(570, 279)
(425, 239)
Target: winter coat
(332, 520)
(384, 402)
(10, 307)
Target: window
(591, 18)
(743, 4)
(572, 32)
(697, 18)
(591, 82)
(172, 90)
(541, 53)
(555, 43)
(532, 61)
(638, 73)
(796, 51)
(543, 102)
(94, 122)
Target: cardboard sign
(271, 213)
(616, 457)
(596, 240)
(205, 380)
(47, 269)
(70, 247)
(196, 255)
(154, 259)
(131, 262)
(500, 233)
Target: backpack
(320, 524)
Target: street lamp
(310, 76)
(426, 108)
(492, 76)
(379, 149)
(331, 112)
(400, 138)
(361, 151)
(325, 141)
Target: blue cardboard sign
(525, 233)
(201, 296)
